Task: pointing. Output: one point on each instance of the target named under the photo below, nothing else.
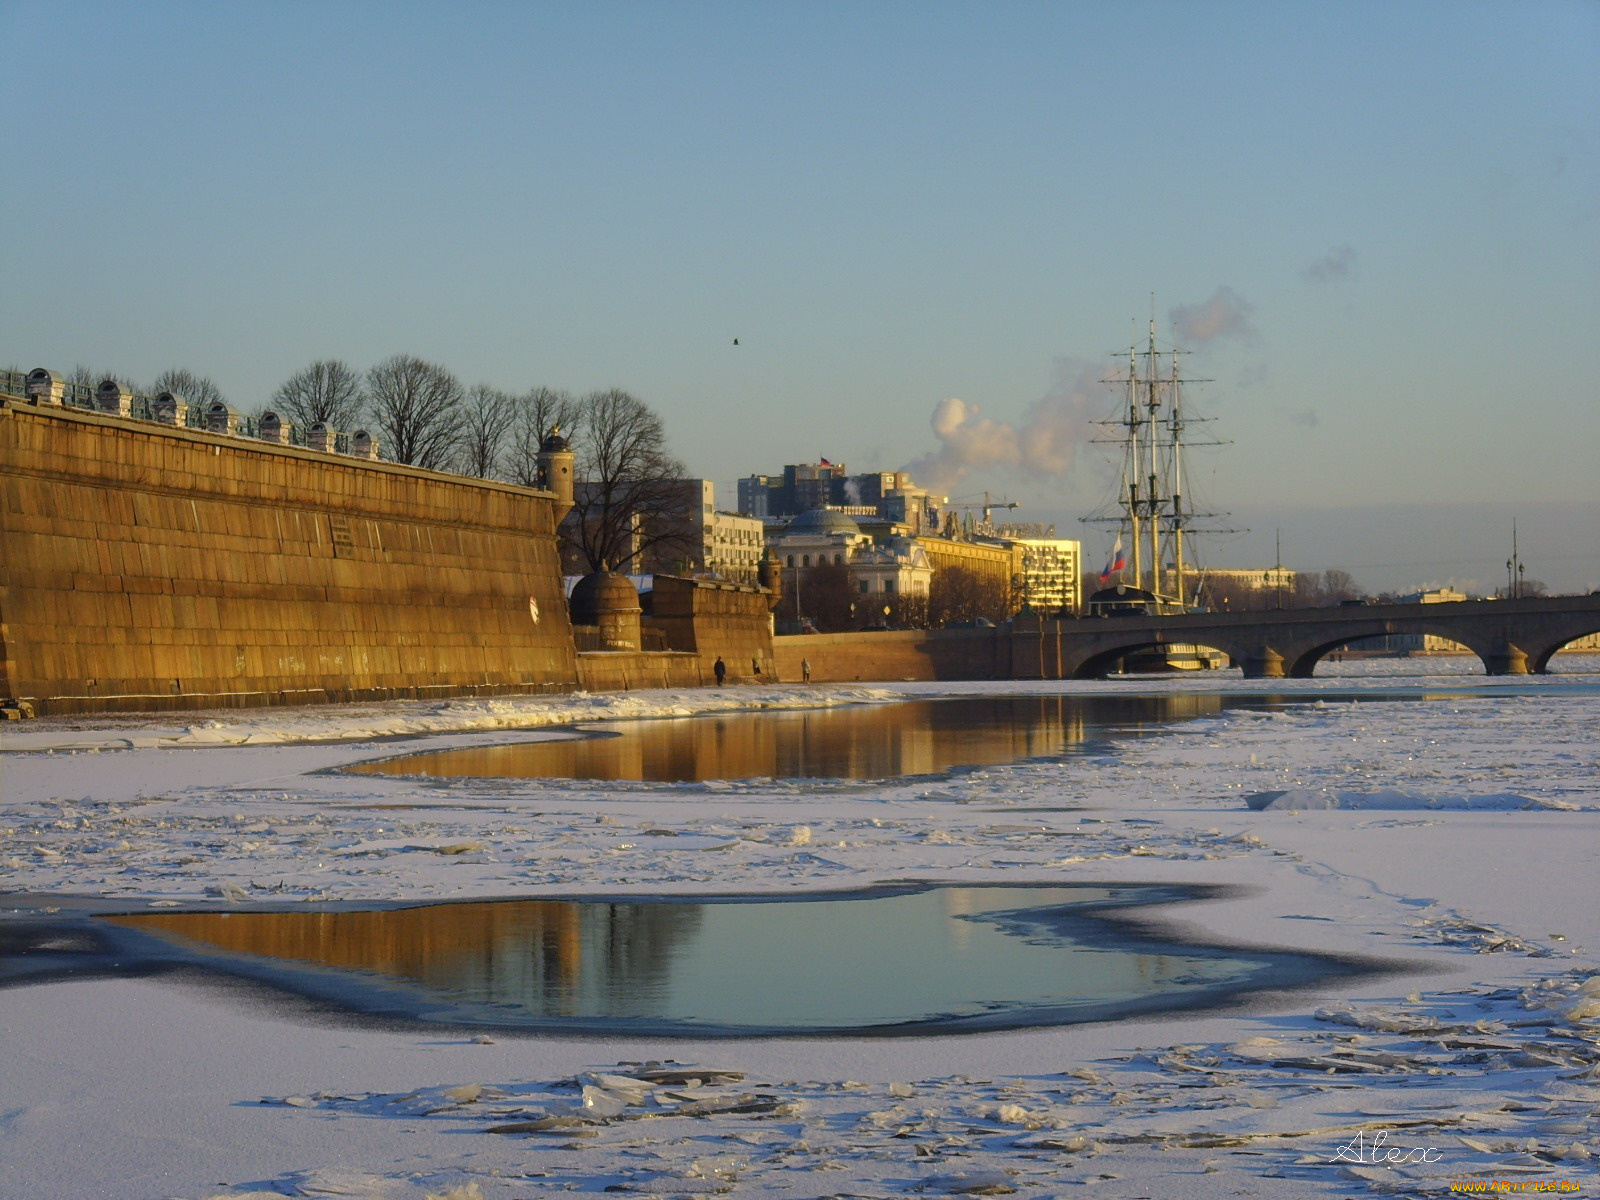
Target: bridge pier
(1505, 660)
(1265, 663)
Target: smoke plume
(1225, 314)
(1335, 264)
(1045, 444)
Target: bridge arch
(1496, 658)
(1540, 661)
(1301, 663)
(1100, 663)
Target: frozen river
(1451, 833)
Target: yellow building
(993, 562)
(1051, 571)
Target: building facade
(1050, 572)
(684, 534)
(888, 496)
(893, 566)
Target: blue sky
(1384, 218)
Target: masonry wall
(708, 618)
(624, 670)
(149, 567)
(915, 654)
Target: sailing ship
(1151, 570)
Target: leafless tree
(959, 594)
(328, 391)
(199, 390)
(824, 594)
(1314, 589)
(416, 409)
(625, 497)
(84, 377)
(535, 413)
(487, 417)
(1527, 588)
(907, 610)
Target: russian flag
(1115, 563)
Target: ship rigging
(1150, 507)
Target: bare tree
(328, 391)
(907, 610)
(487, 417)
(416, 407)
(1314, 590)
(625, 495)
(534, 415)
(84, 377)
(960, 594)
(198, 390)
(824, 594)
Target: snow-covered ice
(1452, 834)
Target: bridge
(1511, 637)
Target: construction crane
(988, 504)
(987, 507)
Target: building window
(791, 560)
(865, 586)
(805, 561)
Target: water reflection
(908, 961)
(919, 737)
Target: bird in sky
(735, 341)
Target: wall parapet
(109, 396)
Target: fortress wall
(624, 670)
(143, 566)
(709, 618)
(912, 654)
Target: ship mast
(1153, 499)
(1150, 501)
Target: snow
(1450, 834)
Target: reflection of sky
(898, 958)
(800, 964)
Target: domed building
(894, 565)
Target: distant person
(755, 668)
(805, 670)
(720, 670)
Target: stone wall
(150, 567)
(707, 619)
(913, 654)
(624, 670)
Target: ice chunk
(978, 1183)
(1293, 799)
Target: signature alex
(1371, 1148)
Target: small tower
(555, 470)
(769, 574)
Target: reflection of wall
(557, 957)
(856, 742)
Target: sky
(1374, 228)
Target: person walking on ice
(805, 670)
(720, 670)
